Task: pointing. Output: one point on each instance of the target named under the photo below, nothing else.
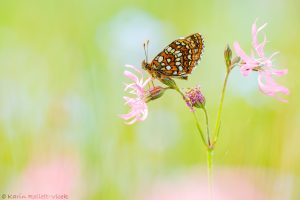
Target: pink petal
(136, 89)
(254, 35)
(270, 88)
(278, 72)
(255, 31)
(281, 99)
(137, 70)
(266, 62)
(144, 115)
(246, 69)
(134, 68)
(147, 81)
(273, 54)
(241, 53)
(127, 116)
(128, 86)
(261, 27)
(132, 121)
(258, 47)
(128, 99)
(131, 76)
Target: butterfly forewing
(180, 57)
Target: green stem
(179, 91)
(207, 127)
(209, 172)
(206, 144)
(196, 119)
(218, 122)
(200, 130)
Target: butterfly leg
(152, 83)
(149, 86)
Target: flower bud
(169, 82)
(236, 60)
(227, 56)
(154, 93)
(194, 98)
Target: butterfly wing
(180, 57)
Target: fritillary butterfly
(176, 60)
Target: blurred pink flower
(137, 104)
(227, 184)
(262, 64)
(57, 177)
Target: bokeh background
(61, 88)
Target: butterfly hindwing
(180, 57)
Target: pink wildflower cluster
(194, 98)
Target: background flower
(228, 184)
(49, 177)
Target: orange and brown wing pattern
(196, 45)
(180, 57)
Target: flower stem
(207, 127)
(200, 130)
(218, 122)
(198, 125)
(209, 172)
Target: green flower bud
(236, 60)
(169, 82)
(227, 56)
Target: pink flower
(262, 64)
(194, 98)
(137, 104)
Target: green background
(61, 89)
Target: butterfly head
(145, 65)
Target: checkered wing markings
(180, 57)
(196, 45)
(165, 62)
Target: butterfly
(177, 60)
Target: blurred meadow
(61, 89)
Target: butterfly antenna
(146, 44)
